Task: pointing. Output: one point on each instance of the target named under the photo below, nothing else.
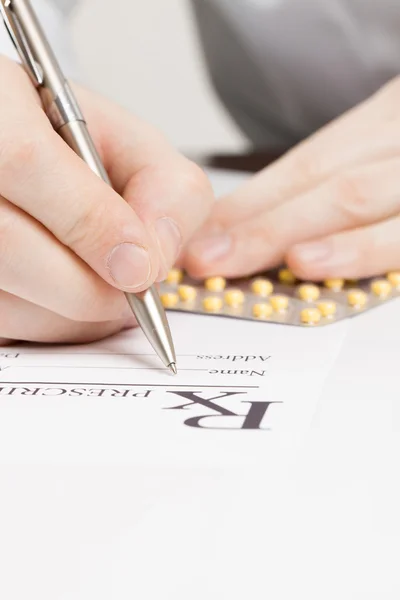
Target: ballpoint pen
(66, 117)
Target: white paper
(259, 383)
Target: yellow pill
(334, 284)
(394, 278)
(215, 284)
(212, 304)
(262, 287)
(381, 288)
(308, 292)
(327, 308)
(357, 298)
(169, 300)
(311, 316)
(286, 276)
(262, 310)
(174, 276)
(187, 293)
(279, 303)
(234, 298)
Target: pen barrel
(146, 306)
(60, 105)
(150, 315)
(47, 72)
(76, 135)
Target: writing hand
(69, 244)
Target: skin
(63, 264)
(329, 208)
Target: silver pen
(65, 116)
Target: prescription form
(267, 468)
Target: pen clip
(19, 40)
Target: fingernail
(170, 241)
(129, 265)
(212, 248)
(316, 252)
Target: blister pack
(278, 297)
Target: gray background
(145, 55)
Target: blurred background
(145, 56)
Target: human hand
(329, 208)
(69, 243)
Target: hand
(69, 243)
(329, 208)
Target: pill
(279, 303)
(174, 276)
(212, 303)
(357, 298)
(262, 287)
(308, 292)
(311, 316)
(286, 276)
(262, 310)
(381, 288)
(169, 300)
(327, 308)
(215, 284)
(187, 293)
(334, 284)
(394, 278)
(234, 298)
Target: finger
(172, 198)
(171, 194)
(353, 199)
(36, 267)
(360, 136)
(23, 321)
(363, 252)
(41, 175)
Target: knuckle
(196, 182)
(19, 154)
(352, 199)
(87, 225)
(305, 165)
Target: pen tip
(173, 368)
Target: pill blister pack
(278, 297)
